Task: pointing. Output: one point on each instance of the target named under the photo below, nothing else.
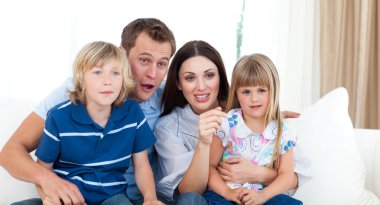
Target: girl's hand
(234, 194)
(209, 123)
(154, 202)
(251, 197)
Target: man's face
(149, 61)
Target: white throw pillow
(327, 137)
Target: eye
(145, 61)
(162, 65)
(97, 72)
(210, 75)
(262, 90)
(245, 92)
(189, 78)
(116, 73)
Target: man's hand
(55, 190)
(290, 114)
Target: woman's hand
(240, 170)
(209, 123)
(237, 170)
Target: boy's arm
(144, 177)
(285, 179)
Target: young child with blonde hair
(254, 129)
(90, 139)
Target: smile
(201, 96)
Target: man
(149, 45)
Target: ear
(178, 86)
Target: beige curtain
(350, 55)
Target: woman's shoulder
(167, 120)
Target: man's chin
(140, 97)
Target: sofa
(345, 161)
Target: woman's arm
(240, 170)
(195, 178)
(182, 166)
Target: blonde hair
(96, 54)
(259, 70)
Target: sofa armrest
(368, 141)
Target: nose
(152, 71)
(106, 79)
(201, 84)
(254, 96)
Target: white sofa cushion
(369, 145)
(327, 137)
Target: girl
(90, 139)
(254, 129)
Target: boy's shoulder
(60, 107)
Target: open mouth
(147, 87)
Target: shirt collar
(153, 102)
(79, 113)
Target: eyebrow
(148, 54)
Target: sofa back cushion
(327, 136)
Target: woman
(196, 82)
(194, 96)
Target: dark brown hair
(155, 28)
(172, 97)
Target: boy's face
(149, 61)
(103, 84)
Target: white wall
(39, 39)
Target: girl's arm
(285, 179)
(216, 182)
(144, 177)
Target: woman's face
(199, 81)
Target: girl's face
(199, 81)
(254, 102)
(103, 84)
